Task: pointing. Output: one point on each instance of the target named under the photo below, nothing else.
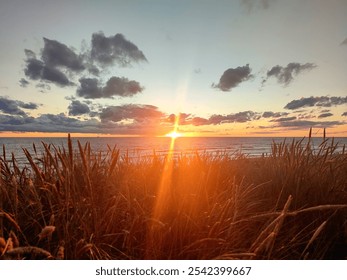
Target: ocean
(146, 146)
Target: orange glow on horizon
(174, 134)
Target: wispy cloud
(325, 115)
(285, 75)
(270, 114)
(320, 101)
(23, 82)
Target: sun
(173, 134)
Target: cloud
(344, 42)
(216, 119)
(77, 108)
(23, 82)
(115, 86)
(37, 70)
(344, 114)
(283, 119)
(43, 87)
(307, 124)
(232, 77)
(62, 123)
(14, 107)
(114, 49)
(198, 121)
(239, 117)
(325, 115)
(270, 114)
(59, 64)
(56, 54)
(285, 75)
(49, 123)
(320, 101)
(136, 112)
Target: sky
(146, 67)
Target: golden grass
(79, 204)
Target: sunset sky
(223, 67)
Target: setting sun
(174, 134)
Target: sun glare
(174, 134)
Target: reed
(79, 204)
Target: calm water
(145, 146)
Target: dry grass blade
(33, 165)
(314, 236)
(216, 206)
(10, 219)
(69, 143)
(265, 245)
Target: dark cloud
(239, 117)
(37, 70)
(56, 54)
(325, 115)
(77, 108)
(344, 114)
(14, 107)
(320, 101)
(115, 86)
(344, 42)
(135, 112)
(299, 123)
(61, 65)
(23, 82)
(114, 49)
(285, 75)
(233, 77)
(50, 123)
(308, 124)
(270, 114)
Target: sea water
(147, 146)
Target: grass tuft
(80, 204)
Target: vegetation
(79, 204)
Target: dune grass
(80, 204)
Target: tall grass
(79, 204)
